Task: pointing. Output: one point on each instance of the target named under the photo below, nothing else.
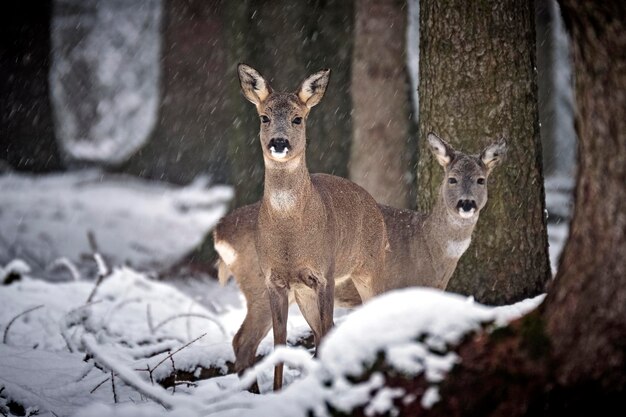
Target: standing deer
(424, 247)
(311, 231)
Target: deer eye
(297, 120)
(481, 181)
(265, 119)
(452, 180)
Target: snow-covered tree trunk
(478, 83)
(104, 77)
(380, 158)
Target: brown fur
(309, 232)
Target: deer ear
(313, 88)
(253, 85)
(493, 154)
(443, 151)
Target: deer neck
(287, 186)
(447, 236)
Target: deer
(309, 232)
(424, 248)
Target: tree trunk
(190, 136)
(379, 159)
(586, 309)
(477, 83)
(27, 139)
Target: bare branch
(155, 393)
(113, 387)
(176, 351)
(6, 330)
(67, 264)
(197, 315)
(99, 385)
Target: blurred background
(137, 101)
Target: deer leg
(307, 301)
(326, 304)
(255, 326)
(279, 303)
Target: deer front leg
(278, 292)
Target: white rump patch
(226, 252)
(282, 200)
(456, 248)
(278, 155)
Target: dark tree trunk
(380, 158)
(190, 136)
(586, 308)
(477, 83)
(27, 139)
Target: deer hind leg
(255, 326)
(278, 291)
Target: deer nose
(466, 205)
(278, 145)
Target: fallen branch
(67, 264)
(6, 330)
(153, 392)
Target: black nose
(279, 144)
(466, 205)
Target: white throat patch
(456, 248)
(282, 200)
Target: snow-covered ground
(62, 355)
(148, 225)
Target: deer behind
(310, 231)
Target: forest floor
(150, 346)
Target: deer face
(282, 115)
(464, 186)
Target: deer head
(464, 187)
(283, 115)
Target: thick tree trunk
(379, 159)
(190, 136)
(477, 83)
(586, 309)
(27, 139)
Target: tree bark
(27, 140)
(380, 158)
(190, 136)
(586, 309)
(478, 83)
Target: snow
(104, 76)
(413, 328)
(148, 225)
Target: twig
(149, 319)
(98, 386)
(103, 270)
(6, 330)
(174, 369)
(113, 387)
(183, 315)
(176, 351)
(67, 264)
